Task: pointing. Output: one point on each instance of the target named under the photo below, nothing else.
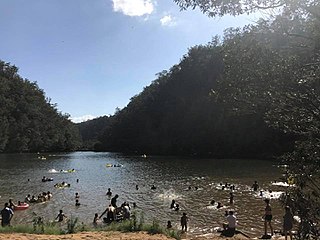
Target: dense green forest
(28, 121)
(177, 114)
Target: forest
(28, 121)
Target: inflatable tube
(23, 206)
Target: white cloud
(133, 7)
(82, 118)
(168, 21)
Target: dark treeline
(28, 121)
(178, 114)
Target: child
(287, 223)
(61, 216)
(77, 203)
(169, 225)
(95, 219)
(184, 222)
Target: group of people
(42, 197)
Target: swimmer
(212, 202)
(109, 193)
(77, 195)
(169, 225)
(177, 208)
(153, 187)
(77, 203)
(219, 205)
(137, 187)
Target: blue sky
(91, 56)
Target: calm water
(171, 176)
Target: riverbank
(114, 236)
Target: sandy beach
(114, 236)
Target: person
(173, 204)
(177, 207)
(267, 217)
(184, 222)
(231, 197)
(77, 180)
(44, 179)
(212, 202)
(230, 226)
(114, 201)
(219, 205)
(61, 216)
(33, 199)
(255, 186)
(137, 187)
(126, 211)
(287, 223)
(6, 215)
(169, 225)
(77, 203)
(77, 195)
(109, 193)
(28, 198)
(153, 187)
(95, 219)
(111, 214)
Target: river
(21, 174)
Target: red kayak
(22, 206)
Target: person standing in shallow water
(6, 215)
(184, 222)
(255, 186)
(267, 217)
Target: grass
(135, 224)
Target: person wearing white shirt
(230, 226)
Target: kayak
(23, 206)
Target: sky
(91, 56)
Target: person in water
(6, 215)
(173, 204)
(137, 187)
(61, 216)
(109, 193)
(219, 205)
(267, 217)
(77, 203)
(231, 197)
(255, 186)
(11, 204)
(212, 202)
(153, 187)
(177, 207)
(169, 225)
(95, 219)
(28, 198)
(77, 195)
(287, 223)
(184, 222)
(114, 201)
(230, 226)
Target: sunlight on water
(192, 183)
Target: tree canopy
(28, 121)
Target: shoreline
(110, 235)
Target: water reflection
(172, 176)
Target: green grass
(133, 225)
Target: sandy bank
(113, 236)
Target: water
(171, 176)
